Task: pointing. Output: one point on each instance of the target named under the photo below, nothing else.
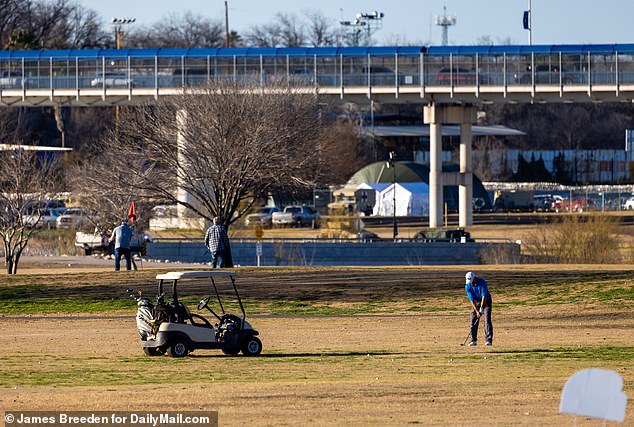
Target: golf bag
(145, 317)
(148, 316)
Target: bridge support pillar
(435, 165)
(181, 144)
(436, 115)
(185, 217)
(465, 189)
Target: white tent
(367, 196)
(412, 199)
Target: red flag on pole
(132, 212)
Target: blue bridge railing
(415, 66)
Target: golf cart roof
(177, 275)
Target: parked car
(460, 77)
(74, 218)
(263, 216)
(629, 204)
(546, 202)
(547, 74)
(112, 79)
(45, 204)
(298, 216)
(565, 205)
(46, 218)
(443, 235)
(12, 79)
(99, 243)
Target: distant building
(566, 166)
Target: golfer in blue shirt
(478, 293)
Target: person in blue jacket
(121, 236)
(478, 293)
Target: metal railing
(481, 67)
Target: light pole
(392, 165)
(118, 25)
(370, 22)
(226, 24)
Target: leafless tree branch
(225, 146)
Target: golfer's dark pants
(488, 326)
(117, 258)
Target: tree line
(63, 24)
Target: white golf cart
(170, 327)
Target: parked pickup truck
(513, 201)
(298, 216)
(98, 243)
(564, 205)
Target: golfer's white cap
(469, 277)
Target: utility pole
(226, 24)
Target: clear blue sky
(554, 21)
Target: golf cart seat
(183, 314)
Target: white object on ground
(594, 393)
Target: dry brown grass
(385, 368)
(574, 239)
(379, 370)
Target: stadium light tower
(118, 24)
(370, 22)
(445, 22)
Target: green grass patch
(70, 305)
(46, 370)
(586, 353)
(319, 291)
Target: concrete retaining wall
(343, 253)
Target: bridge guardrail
(479, 66)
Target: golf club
(466, 339)
(468, 336)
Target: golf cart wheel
(152, 351)
(231, 351)
(252, 346)
(178, 348)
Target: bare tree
(225, 146)
(109, 202)
(286, 30)
(319, 30)
(291, 31)
(24, 181)
(186, 31)
(343, 153)
(267, 35)
(60, 24)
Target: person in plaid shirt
(217, 241)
